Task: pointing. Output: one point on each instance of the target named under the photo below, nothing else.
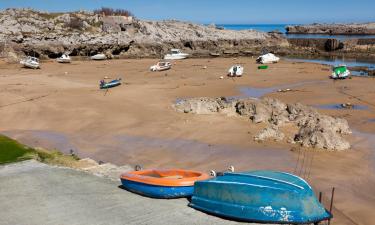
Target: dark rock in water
(275, 32)
(333, 45)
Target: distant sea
(281, 28)
(259, 27)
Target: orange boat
(160, 183)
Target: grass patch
(12, 151)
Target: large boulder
(323, 132)
(204, 105)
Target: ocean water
(258, 27)
(281, 28)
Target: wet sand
(61, 107)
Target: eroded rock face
(85, 33)
(363, 28)
(315, 130)
(205, 105)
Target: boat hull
(154, 191)
(63, 60)
(266, 197)
(110, 85)
(172, 57)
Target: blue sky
(222, 11)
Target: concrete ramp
(35, 193)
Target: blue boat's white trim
(266, 178)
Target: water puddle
(260, 92)
(334, 61)
(371, 120)
(341, 106)
(324, 36)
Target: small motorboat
(340, 72)
(30, 62)
(268, 58)
(158, 183)
(99, 56)
(110, 84)
(235, 71)
(65, 58)
(161, 66)
(259, 196)
(176, 54)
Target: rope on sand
(27, 100)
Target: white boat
(161, 66)
(65, 58)
(268, 58)
(176, 54)
(30, 62)
(235, 71)
(99, 56)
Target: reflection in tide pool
(333, 61)
(339, 106)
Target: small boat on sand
(267, 58)
(340, 72)
(259, 196)
(30, 62)
(99, 56)
(176, 54)
(214, 54)
(65, 58)
(158, 183)
(161, 66)
(110, 84)
(235, 71)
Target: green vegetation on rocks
(12, 151)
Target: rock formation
(85, 33)
(314, 130)
(332, 29)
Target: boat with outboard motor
(30, 62)
(161, 66)
(235, 71)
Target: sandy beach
(60, 106)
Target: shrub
(113, 12)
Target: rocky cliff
(83, 33)
(333, 29)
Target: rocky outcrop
(85, 33)
(314, 130)
(332, 29)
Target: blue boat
(158, 183)
(111, 84)
(259, 196)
